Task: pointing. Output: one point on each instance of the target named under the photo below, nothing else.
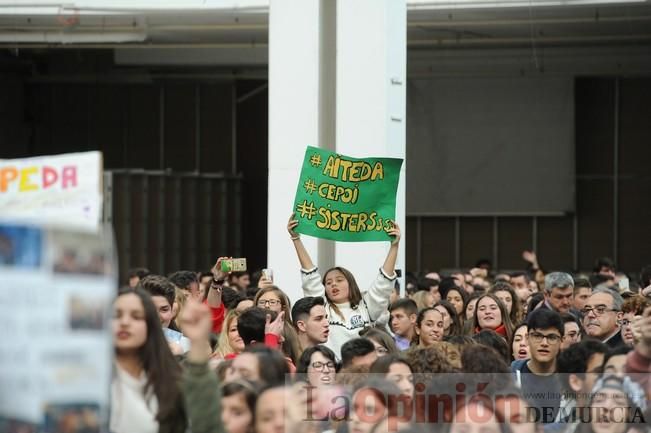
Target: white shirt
(131, 410)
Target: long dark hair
(419, 321)
(455, 324)
(464, 298)
(354, 294)
(516, 305)
(512, 339)
(162, 370)
(249, 391)
(381, 337)
(506, 319)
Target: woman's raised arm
(303, 256)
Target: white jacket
(374, 303)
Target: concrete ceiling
(428, 27)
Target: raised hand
(291, 225)
(196, 322)
(395, 232)
(264, 283)
(216, 270)
(276, 326)
(530, 257)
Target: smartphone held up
(233, 265)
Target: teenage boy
(259, 326)
(358, 351)
(579, 366)
(403, 322)
(187, 282)
(163, 293)
(310, 320)
(537, 376)
(573, 330)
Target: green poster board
(346, 199)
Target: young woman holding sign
(349, 309)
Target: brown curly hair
(636, 304)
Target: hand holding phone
(233, 265)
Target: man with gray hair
(559, 291)
(602, 315)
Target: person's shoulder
(616, 340)
(519, 365)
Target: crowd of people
(468, 352)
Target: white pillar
(351, 100)
(294, 69)
(371, 107)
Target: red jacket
(218, 314)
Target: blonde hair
(179, 300)
(223, 343)
(420, 298)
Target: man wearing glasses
(537, 376)
(602, 316)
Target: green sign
(346, 199)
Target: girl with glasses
(274, 299)
(317, 366)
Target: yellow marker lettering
(352, 223)
(345, 217)
(354, 171)
(347, 196)
(355, 195)
(346, 166)
(339, 193)
(335, 168)
(25, 184)
(366, 172)
(331, 192)
(327, 170)
(361, 226)
(370, 226)
(325, 214)
(336, 224)
(378, 171)
(323, 191)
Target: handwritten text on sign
(346, 199)
(36, 178)
(59, 190)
